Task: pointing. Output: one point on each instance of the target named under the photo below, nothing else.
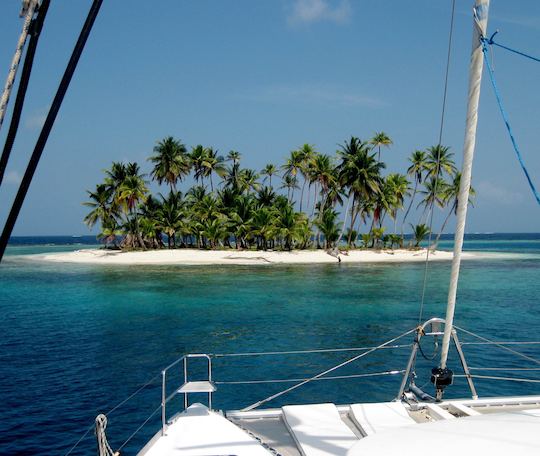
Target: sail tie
(489, 41)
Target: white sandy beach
(206, 257)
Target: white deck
(495, 434)
(200, 432)
(496, 426)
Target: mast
(480, 13)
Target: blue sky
(263, 78)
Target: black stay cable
(47, 127)
(35, 31)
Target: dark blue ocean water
(78, 339)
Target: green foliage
(420, 232)
(243, 209)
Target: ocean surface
(78, 339)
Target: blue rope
(505, 118)
(515, 51)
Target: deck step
(198, 387)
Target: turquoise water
(78, 339)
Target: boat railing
(188, 386)
(183, 376)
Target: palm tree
(266, 197)
(131, 192)
(324, 176)
(109, 232)
(380, 139)
(234, 156)
(169, 216)
(434, 194)
(359, 172)
(171, 162)
(213, 163)
(248, 180)
(439, 161)
(326, 223)
(307, 153)
(377, 235)
(290, 182)
(101, 204)
(417, 169)
(292, 168)
(288, 224)
(263, 226)
(420, 231)
(398, 187)
(269, 170)
(197, 157)
(451, 195)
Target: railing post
(185, 381)
(407, 372)
(466, 370)
(163, 402)
(210, 380)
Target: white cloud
(12, 177)
(496, 193)
(36, 119)
(328, 95)
(309, 11)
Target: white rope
(285, 380)
(274, 396)
(300, 352)
(16, 59)
(104, 449)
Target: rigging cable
(515, 51)
(47, 127)
(441, 128)
(35, 32)
(490, 41)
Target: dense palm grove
(296, 205)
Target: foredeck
(326, 429)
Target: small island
(314, 208)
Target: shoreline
(244, 257)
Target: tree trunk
(302, 194)
(344, 221)
(410, 205)
(452, 209)
(354, 215)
